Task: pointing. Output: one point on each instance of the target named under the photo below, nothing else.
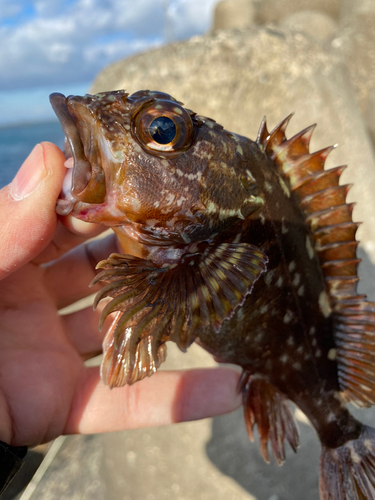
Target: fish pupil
(162, 130)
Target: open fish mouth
(77, 179)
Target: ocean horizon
(17, 141)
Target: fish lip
(82, 170)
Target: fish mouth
(82, 170)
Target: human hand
(45, 388)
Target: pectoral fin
(156, 304)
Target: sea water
(16, 142)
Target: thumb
(27, 207)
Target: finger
(167, 397)
(27, 205)
(68, 278)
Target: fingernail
(30, 175)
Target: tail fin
(348, 472)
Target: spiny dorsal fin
(323, 203)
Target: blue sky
(60, 45)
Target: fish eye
(163, 126)
(163, 130)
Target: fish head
(160, 173)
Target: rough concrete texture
(233, 14)
(318, 25)
(235, 77)
(355, 42)
(268, 11)
(370, 115)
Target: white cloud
(68, 41)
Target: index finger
(166, 397)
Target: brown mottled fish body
(247, 248)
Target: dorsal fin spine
(323, 203)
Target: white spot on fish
(312, 330)
(268, 186)
(288, 317)
(300, 349)
(290, 341)
(284, 187)
(211, 207)
(296, 279)
(332, 354)
(309, 248)
(279, 282)
(297, 365)
(268, 277)
(177, 110)
(318, 353)
(368, 444)
(263, 309)
(165, 163)
(240, 314)
(258, 337)
(301, 290)
(284, 358)
(170, 199)
(250, 176)
(355, 457)
(180, 201)
(324, 305)
(179, 172)
(119, 155)
(331, 417)
(135, 204)
(292, 266)
(239, 149)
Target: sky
(60, 45)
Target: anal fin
(268, 408)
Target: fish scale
(246, 247)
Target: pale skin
(45, 388)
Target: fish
(247, 248)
